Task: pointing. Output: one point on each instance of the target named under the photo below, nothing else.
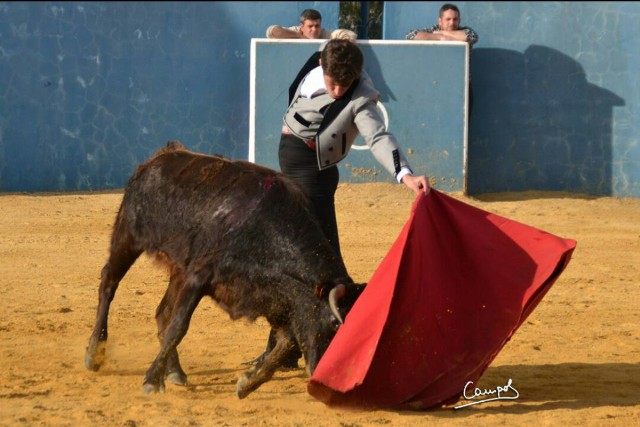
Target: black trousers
(300, 163)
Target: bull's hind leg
(174, 372)
(187, 299)
(123, 254)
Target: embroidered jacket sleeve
(383, 144)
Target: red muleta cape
(447, 297)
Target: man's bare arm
(457, 35)
(278, 32)
(423, 35)
(441, 35)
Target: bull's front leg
(186, 303)
(261, 373)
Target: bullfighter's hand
(417, 183)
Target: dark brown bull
(238, 232)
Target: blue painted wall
(557, 99)
(90, 89)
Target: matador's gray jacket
(305, 118)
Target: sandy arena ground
(575, 361)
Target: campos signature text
(497, 394)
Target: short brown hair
(449, 6)
(311, 15)
(342, 60)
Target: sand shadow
(552, 387)
(524, 196)
(221, 380)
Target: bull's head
(340, 300)
(343, 297)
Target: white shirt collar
(313, 83)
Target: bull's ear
(319, 291)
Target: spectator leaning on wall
(310, 27)
(448, 29)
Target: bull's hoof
(241, 390)
(95, 355)
(150, 388)
(177, 378)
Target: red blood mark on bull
(267, 182)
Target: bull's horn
(334, 295)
